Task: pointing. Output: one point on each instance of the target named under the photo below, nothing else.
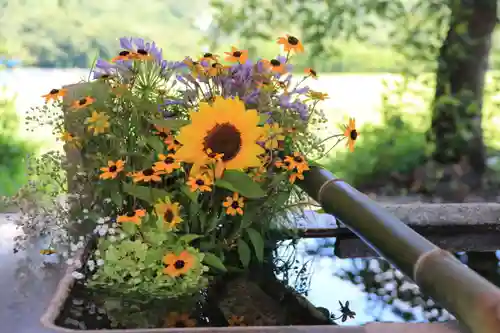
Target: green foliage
(134, 266)
(394, 147)
(13, 150)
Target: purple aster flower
(301, 109)
(140, 46)
(252, 97)
(301, 91)
(103, 68)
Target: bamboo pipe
(473, 300)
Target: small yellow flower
(234, 204)
(169, 213)
(297, 162)
(70, 140)
(98, 122)
(54, 95)
(236, 321)
(200, 182)
(82, 103)
(274, 135)
(316, 96)
(351, 133)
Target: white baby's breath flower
(107, 200)
(100, 262)
(85, 210)
(112, 231)
(77, 275)
(112, 239)
(91, 265)
(97, 253)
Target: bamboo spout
(473, 300)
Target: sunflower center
(131, 214)
(168, 160)
(235, 205)
(353, 134)
(148, 172)
(112, 168)
(298, 159)
(179, 264)
(200, 182)
(54, 91)
(275, 62)
(237, 54)
(82, 101)
(124, 53)
(292, 40)
(168, 216)
(223, 139)
(142, 52)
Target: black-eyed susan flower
(133, 217)
(70, 139)
(54, 95)
(195, 67)
(123, 55)
(234, 205)
(277, 65)
(297, 161)
(169, 213)
(294, 176)
(167, 163)
(147, 175)
(112, 170)
(311, 72)
(316, 95)
(162, 132)
(209, 57)
(98, 122)
(225, 127)
(82, 103)
(172, 143)
(175, 265)
(274, 134)
(215, 69)
(351, 134)
(200, 182)
(179, 320)
(291, 43)
(236, 321)
(282, 164)
(237, 55)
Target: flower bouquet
(189, 166)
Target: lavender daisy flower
(301, 109)
(252, 97)
(301, 91)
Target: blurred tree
(416, 29)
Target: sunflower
(178, 264)
(236, 55)
(291, 43)
(147, 175)
(82, 103)
(275, 65)
(351, 133)
(294, 176)
(226, 128)
(167, 163)
(234, 204)
(297, 162)
(134, 217)
(311, 72)
(112, 170)
(98, 122)
(200, 182)
(176, 319)
(274, 134)
(70, 139)
(123, 55)
(236, 321)
(54, 94)
(169, 212)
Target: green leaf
(213, 261)
(128, 227)
(171, 124)
(145, 193)
(189, 238)
(244, 252)
(117, 199)
(193, 196)
(155, 143)
(281, 199)
(240, 182)
(320, 211)
(263, 118)
(257, 242)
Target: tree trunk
(463, 63)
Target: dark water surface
(375, 290)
